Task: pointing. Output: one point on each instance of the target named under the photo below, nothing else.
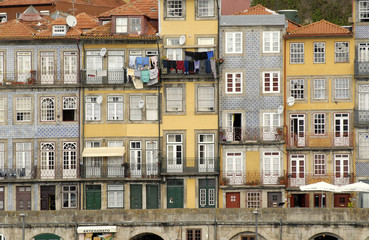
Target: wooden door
(175, 193)
(233, 200)
(93, 197)
(136, 196)
(274, 198)
(341, 200)
(47, 197)
(23, 198)
(152, 196)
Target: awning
(104, 152)
(97, 229)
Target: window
(363, 145)
(151, 108)
(205, 8)
(174, 152)
(2, 206)
(174, 99)
(3, 17)
(342, 88)
(297, 89)
(2, 156)
(319, 89)
(205, 99)
(69, 196)
(93, 108)
(341, 51)
(152, 158)
(1, 66)
(341, 168)
(319, 164)
(271, 121)
(116, 143)
(175, 8)
(234, 168)
(115, 196)
(69, 159)
(45, 12)
(364, 11)
(135, 25)
(233, 42)
(116, 66)
(271, 42)
(272, 167)
(94, 64)
(23, 157)
(253, 200)
(135, 111)
(59, 29)
(205, 41)
(297, 53)
(115, 108)
(234, 83)
(319, 52)
(47, 109)
(47, 156)
(207, 193)
(174, 53)
(319, 123)
(2, 109)
(23, 109)
(135, 158)
(47, 67)
(69, 109)
(193, 234)
(270, 82)
(206, 153)
(24, 66)
(121, 25)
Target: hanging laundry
(154, 77)
(137, 74)
(130, 75)
(210, 54)
(186, 67)
(145, 76)
(154, 62)
(139, 62)
(202, 67)
(207, 66)
(197, 65)
(146, 62)
(213, 67)
(132, 61)
(137, 83)
(180, 67)
(165, 67)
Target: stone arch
(246, 233)
(326, 236)
(147, 236)
(47, 236)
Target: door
(299, 200)
(93, 197)
(207, 193)
(341, 129)
(272, 169)
(234, 168)
(135, 159)
(341, 200)
(274, 199)
(233, 200)
(47, 236)
(270, 123)
(320, 200)
(341, 169)
(115, 66)
(47, 160)
(363, 105)
(297, 170)
(363, 52)
(47, 67)
(234, 127)
(136, 196)
(23, 66)
(70, 160)
(47, 197)
(23, 198)
(175, 193)
(152, 196)
(206, 153)
(248, 237)
(70, 68)
(297, 131)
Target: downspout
(218, 104)
(79, 122)
(83, 117)
(285, 131)
(159, 104)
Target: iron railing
(301, 179)
(361, 69)
(103, 77)
(35, 77)
(327, 140)
(361, 118)
(258, 134)
(253, 178)
(190, 165)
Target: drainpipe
(218, 100)
(159, 103)
(285, 131)
(215, 228)
(280, 229)
(83, 120)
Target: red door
(341, 200)
(233, 200)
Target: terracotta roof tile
(147, 8)
(86, 21)
(320, 28)
(15, 29)
(24, 2)
(292, 25)
(257, 10)
(111, 3)
(59, 21)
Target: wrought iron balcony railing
(258, 134)
(327, 140)
(253, 178)
(190, 165)
(361, 118)
(301, 179)
(103, 77)
(361, 69)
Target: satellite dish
(99, 100)
(141, 103)
(102, 52)
(182, 39)
(71, 21)
(280, 110)
(290, 101)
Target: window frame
(320, 161)
(362, 11)
(319, 56)
(297, 53)
(70, 104)
(47, 112)
(3, 111)
(209, 100)
(69, 193)
(59, 29)
(182, 8)
(319, 124)
(117, 103)
(319, 89)
(118, 192)
(253, 199)
(95, 108)
(230, 39)
(298, 94)
(176, 99)
(344, 55)
(25, 111)
(199, 9)
(342, 92)
(271, 41)
(233, 88)
(271, 77)
(193, 234)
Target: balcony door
(234, 169)
(70, 67)
(341, 129)
(297, 170)
(23, 66)
(363, 52)
(363, 103)
(47, 67)
(234, 127)
(206, 152)
(297, 131)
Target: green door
(207, 193)
(152, 196)
(47, 236)
(175, 193)
(136, 196)
(93, 197)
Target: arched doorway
(325, 236)
(147, 236)
(47, 236)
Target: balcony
(253, 178)
(143, 170)
(361, 118)
(103, 77)
(361, 69)
(328, 140)
(204, 166)
(35, 77)
(58, 172)
(297, 180)
(251, 135)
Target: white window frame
(69, 196)
(48, 157)
(60, 29)
(175, 149)
(206, 152)
(2, 157)
(2, 109)
(341, 52)
(47, 109)
(135, 155)
(121, 25)
(176, 10)
(319, 123)
(93, 109)
(23, 155)
(319, 52)
(23, 109)
(342, 88)
(233, 42)
(319, 89)
(205, 41)
(297, 87)
(152, 162)
(297, 53)
(69, 155)
(174, 99)
(320, 161)
(174, 53)
(271, 42)
(253, 200)
(269, 78)
(364, 145)
(115, 196)
(271, 166)
(152, 112)
(70, 103)
(3, 16)
(135, 112)
(205, 8)
(115, 108)
(233, 83)
(206, 99)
